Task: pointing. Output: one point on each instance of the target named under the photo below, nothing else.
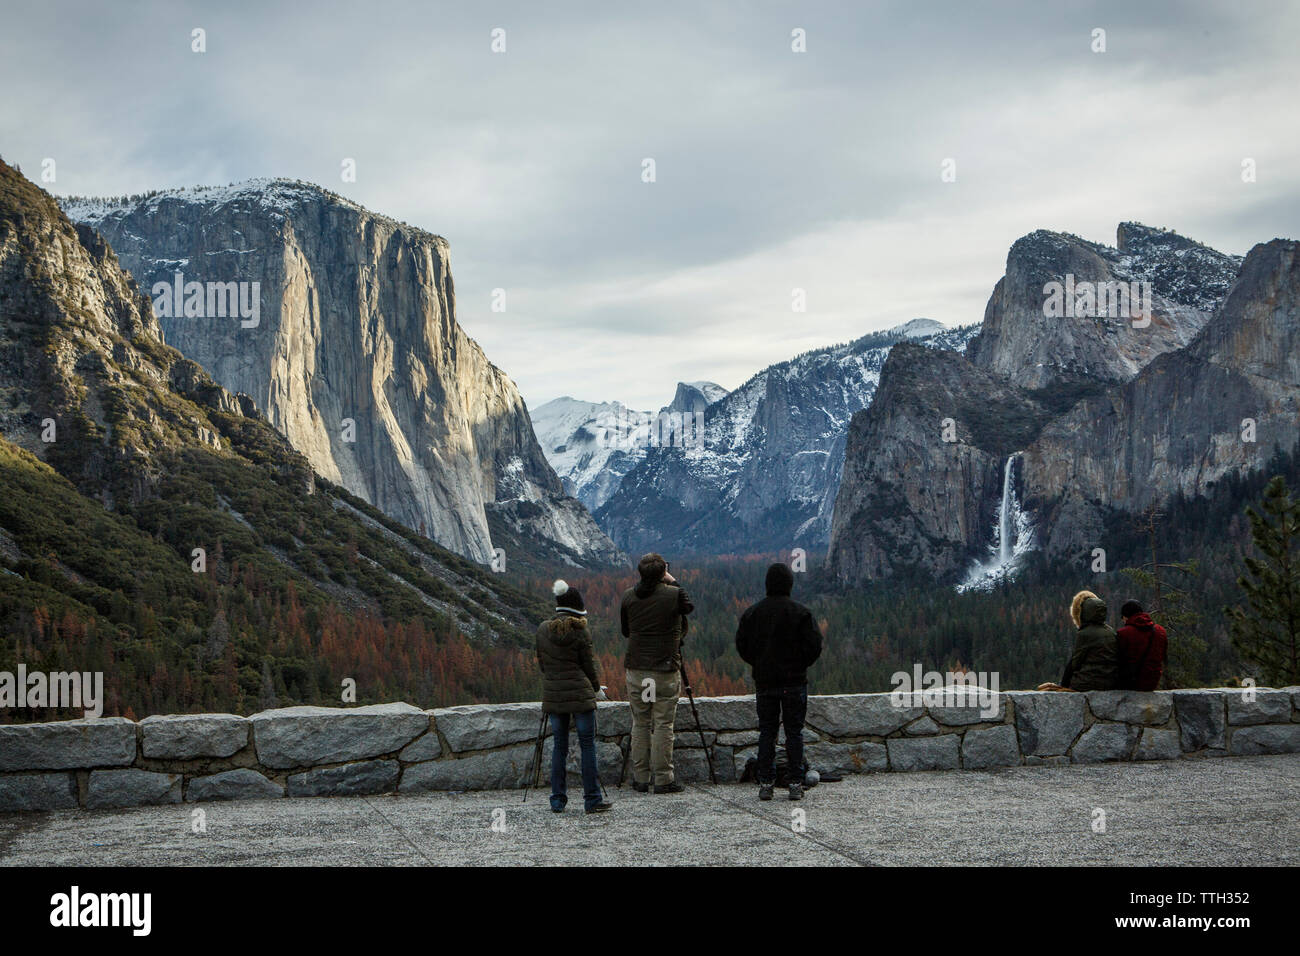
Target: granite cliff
(119, 457)
(1068, 420)
(347, 339)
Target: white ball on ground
(811, 779)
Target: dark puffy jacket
(1142, 648)
(569, 679)
(1094, 663)
(779, 639)
(653, 620)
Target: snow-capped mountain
(576, 439)
(765, 473)
(593, 445)
(1022, 338)
(695, 396)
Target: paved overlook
(1221, 812)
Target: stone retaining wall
(386, 748)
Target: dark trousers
(777, 706)
(586, 726)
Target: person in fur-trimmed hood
(570, 689)
(1094, 661)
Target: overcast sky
(775, 169)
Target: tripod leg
(690, 695)
(534, 769)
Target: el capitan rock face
(106, 433)
(356, 356)
(1100, 419)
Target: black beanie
(567, 598)
(780, 581)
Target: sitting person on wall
(1094, 662)
(570, 689)
(1143, 646)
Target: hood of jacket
(1141, 619)
(563, 628)
(1092, 611)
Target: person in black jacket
(779, 639)
(570, 689)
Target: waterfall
(1004, 515)
(1013, 536)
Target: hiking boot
(796, 791)
(601, 807)
(673, 787)
(640, 787)
(765, 791)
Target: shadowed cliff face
(81, 353)
(356, 355)
(1178, 426)
(909, 501)
(1109, 417)
(1018, 341)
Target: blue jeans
(586, 724)
(788, 705)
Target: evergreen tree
(266, 696)
(1267, 631)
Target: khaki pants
(652, 724)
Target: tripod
(708, 754)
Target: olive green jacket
(1094, 665)
(653, 619)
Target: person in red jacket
(1142, 647)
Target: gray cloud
(775, 170)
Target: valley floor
(1217, 812)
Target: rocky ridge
(1106, 417)
(765, 475)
